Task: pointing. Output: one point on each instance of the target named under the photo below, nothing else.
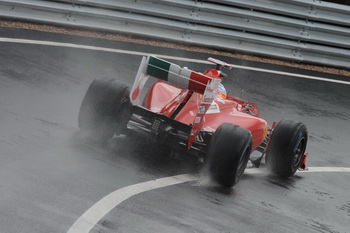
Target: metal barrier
(300, 30)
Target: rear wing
(168, 72)
(181, 77)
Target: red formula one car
(190, 112)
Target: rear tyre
(228, 154)
(286, 148)
(105, 109)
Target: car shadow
(286, 183)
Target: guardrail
(309, 31)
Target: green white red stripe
(174, 74)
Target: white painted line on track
(95, 213)
(327, 169)
(88, 47)
(309, 169)
(91, 217)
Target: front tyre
(228, 154)
(105, 109)
(286, 148)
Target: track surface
(49, 177)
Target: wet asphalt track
(49, 176)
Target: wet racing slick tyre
(228, 154)
(105, 109)
(286, 148)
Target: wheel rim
(299, 151)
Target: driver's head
(222, 91)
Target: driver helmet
(222, 91)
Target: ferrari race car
(190, 112)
